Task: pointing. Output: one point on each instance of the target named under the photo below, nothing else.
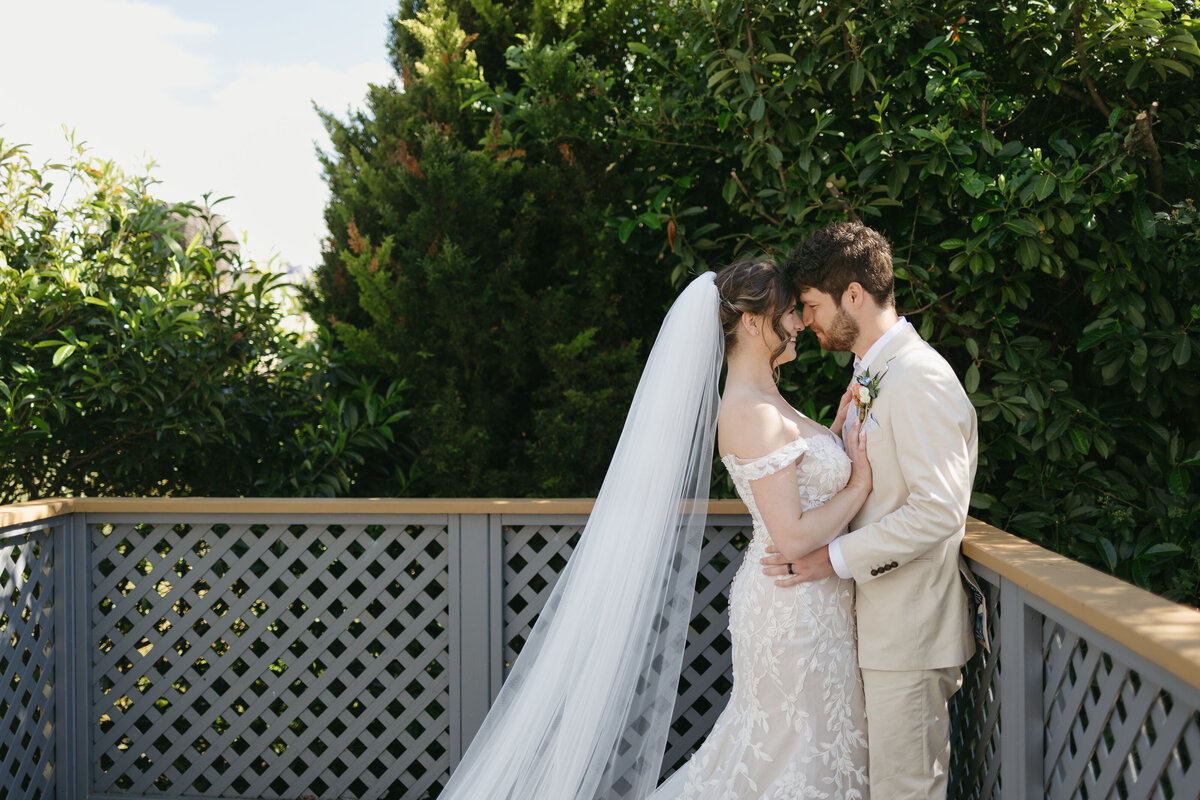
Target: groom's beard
(842, 334)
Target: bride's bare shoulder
(750, 427)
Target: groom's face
(824, 316)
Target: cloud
(103, 61)
(265, 142)
(138, 82)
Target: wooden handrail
(25, 513)
(1164, 632)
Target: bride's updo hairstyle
(754, 286)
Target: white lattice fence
(534, 557)
(27, 687)
(707, 676)
(273, 660)
(1083, 717)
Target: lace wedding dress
(794, 727)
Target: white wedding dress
(795, 726)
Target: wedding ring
(790, 569)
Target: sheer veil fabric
(586, 709)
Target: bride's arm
(797, 532)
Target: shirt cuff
(838, 562)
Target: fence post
(1021, 729)
(476, 621)
(72, 598)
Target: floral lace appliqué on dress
(794, 726)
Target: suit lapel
(887, 359)
(904, 338)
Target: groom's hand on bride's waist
(811, 567)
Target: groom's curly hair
(842, 253)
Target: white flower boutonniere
(866, 392)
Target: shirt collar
(864, 363)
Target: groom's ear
(854, 296)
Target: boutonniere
(865, 392)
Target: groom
(903, 546)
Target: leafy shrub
(135, 361)
(1035, 168)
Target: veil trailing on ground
(586, 709)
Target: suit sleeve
(933, 424)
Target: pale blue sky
(218, 93)
(336, 34)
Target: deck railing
(350, 648)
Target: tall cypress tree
(470, 252)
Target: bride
(794, 726)
(585, 711)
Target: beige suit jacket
(903, 548)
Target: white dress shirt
(861, 365)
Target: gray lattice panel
(975, 712)
(270, 660)
(1110, 731)
(312, 661)
(707, 676)
(535, 555)
(27, 709)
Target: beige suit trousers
(908, 731)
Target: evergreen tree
(471, 253)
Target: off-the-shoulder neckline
(800, 437)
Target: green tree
(470, 256)
(1034, 167)
(135, 361)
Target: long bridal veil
(586, 709)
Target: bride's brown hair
(754, 286)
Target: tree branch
(939, 301)
(647, 140)
(1141, 139)
(1037, 324)
(837, 196)
(1079, 54)
(93, 453)
(912, 234)
(737, 179)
